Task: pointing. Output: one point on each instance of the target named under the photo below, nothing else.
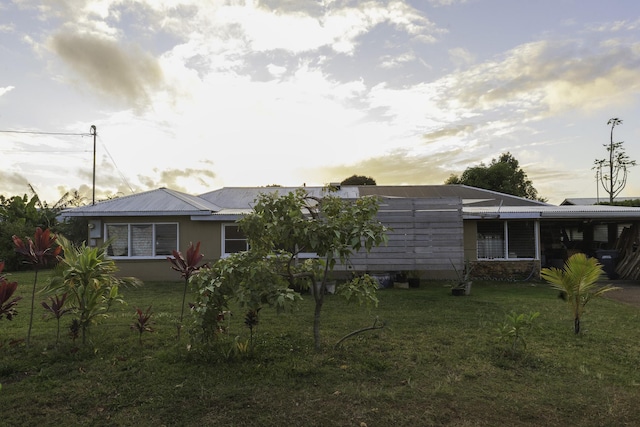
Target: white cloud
(4, 90)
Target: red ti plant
(56, 308)
(143, 322)
(7, 288)
(187, 268)
(38, 252)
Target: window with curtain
(506, 239)
(147, 240)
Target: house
(434, 229)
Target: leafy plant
(55, 307)
(7, 288)
(87, 274)
(512, 329)
(281, 227)
(74, 329)
(38, 252)
(143, 322)
(187, 267)
(577, 283)
(251, 321)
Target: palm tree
(577, 283)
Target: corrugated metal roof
(469, 195)
(244, 197)
(553, 212)
(592, 200)
(159, 202)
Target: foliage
(56, 308)
(39, 253)
(187, 267)
(245, 278)
(512, 330)
(7, 289)
(577, 283)
(281, 227)
(612, 173)
(87, 274)
(503, 175)
(143, 322)
(358, 180)
(361, 289)
(20, 215)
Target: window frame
(154, 239)
(223, 242)
(505, 243)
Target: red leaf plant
(7, 288)
(143, 322)
(187, 268)
(38, 252)
(56, 309)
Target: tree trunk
(576, 325)
(33, 298)
(316, 323)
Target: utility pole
(94, 132)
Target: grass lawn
(436, 362)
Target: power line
(44, 133)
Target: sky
(195, 96)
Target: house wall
(425, 235)
(206, 232)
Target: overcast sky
(196, 95)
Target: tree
(279, 229)
(577, 283)
(503, 175)
(359, 180)
(612, 173)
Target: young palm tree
(577, 283)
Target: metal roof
(469, 195)
(552, 212)
(159, 202)
(227, 204)
(245, 197)
(593, 200)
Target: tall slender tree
(612, 173)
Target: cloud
(5, 90)
(546, 78)
(127, 74)
(461, 57)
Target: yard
(436, 362)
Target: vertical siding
(425, 235)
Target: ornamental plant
(7, 288)
(577, 283)
(56, 308)
(143, 322)
(39, 253)
(187, 267)
(88, 275)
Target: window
(234, 240)
(506, 240)
(141, 240)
